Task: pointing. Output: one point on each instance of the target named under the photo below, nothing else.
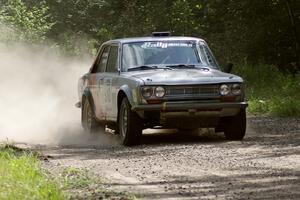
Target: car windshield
(167, 53)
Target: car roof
(149, 39)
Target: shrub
(271, 92)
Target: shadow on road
(249, 185)
(152, 142)
(158, 137)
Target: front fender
(131, 94)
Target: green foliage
(182, 17)
(81, 184)
(251, 32)
(254, 31)
(74, 178)
(22, 177)
(24, 23)
(271, 92)
(78, 25)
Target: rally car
(160, 81)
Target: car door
(110, 83)
(96, 82)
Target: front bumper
(191, 105)
(188, 114)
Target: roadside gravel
(170, 165)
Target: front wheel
(88, 119)
(235, 127)
(130, 125)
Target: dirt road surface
(169, 165)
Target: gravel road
(170, 165)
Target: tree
(25, 23)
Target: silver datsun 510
(160, 82)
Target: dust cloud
(38, 89)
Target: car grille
(196, 91)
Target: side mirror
(228, 67)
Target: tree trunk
(295, 33)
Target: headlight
(160, 92)
(147, 92)
(224, 90)
(236, 89)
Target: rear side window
(103, 60)
(112, 63)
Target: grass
(81, 184)
(22, 177)
(271, 92)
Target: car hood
(184, 76)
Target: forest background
(261, 37)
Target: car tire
(235, 127)
(130, 125)
(88, 120)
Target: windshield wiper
(182, 66)
(148, 67)
(142, 67)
